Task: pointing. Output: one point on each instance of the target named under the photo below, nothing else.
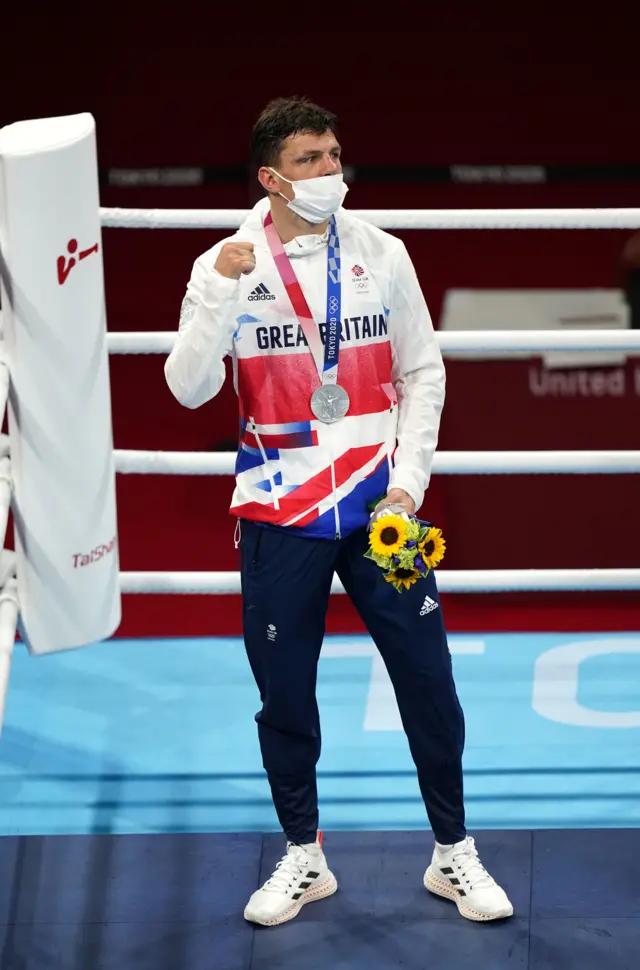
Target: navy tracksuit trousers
(286, 580)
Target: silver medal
(329, 403)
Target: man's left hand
(397, 496)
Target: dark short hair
(282, 118)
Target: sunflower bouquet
(404, 547)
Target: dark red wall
(456, 89)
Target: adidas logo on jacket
(260, 293)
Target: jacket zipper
(335, 499)
(336, 513)
(390, 450)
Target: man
(341, 385)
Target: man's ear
(269, 181)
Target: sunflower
(432, 547)
(402, 578)
(388, 535)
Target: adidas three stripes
(260, 293)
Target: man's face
(303, 156)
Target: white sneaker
(302, 876)
(457, 873)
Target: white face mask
(316, 199)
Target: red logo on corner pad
(66, 265)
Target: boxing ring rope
(5, 467)
(449, 581)
(8, 585)
(389, 218)
(451, 344)
(131, 462)
(9, 611)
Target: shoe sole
(440, 887)
(311, 895)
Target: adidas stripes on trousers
(286, 582)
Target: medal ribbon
(326, 359)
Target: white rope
(8, 624)
(451, 341)
(460, 341)
(5, 464)
(444, 463)
(449, 581)
(141, 343)
(4, 380)
(390, 218)
(5, 497)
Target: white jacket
(292, 470)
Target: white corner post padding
(60, 431)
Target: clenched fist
(234, 259)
